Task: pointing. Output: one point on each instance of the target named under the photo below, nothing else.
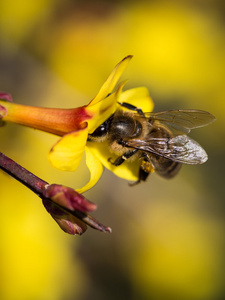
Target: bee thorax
(117, 148)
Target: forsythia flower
(74, 125)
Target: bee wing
(180, 148)
(182, 120)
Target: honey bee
(159, 139)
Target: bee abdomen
(165, 167)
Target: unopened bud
(68, 198)
(6, 97)
(67, 222)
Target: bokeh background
(168, 238)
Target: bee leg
(141, 177)
(132, 107)
(123, 157)
(145, 169)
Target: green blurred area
(168, 236)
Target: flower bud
(6, 97)
(68, 198)
(66, 221)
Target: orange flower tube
(53, 120)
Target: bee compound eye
(101, 130)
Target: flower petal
(66, 154)
(113, 78)
(103, 109)
(127, 170)
(95, 167)
(138, 97)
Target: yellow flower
(74, 125)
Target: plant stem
(28, 179)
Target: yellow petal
(113, 78)
(67, 152)
(103, 109)
(95, 167)
(127, 170)
(138, 97)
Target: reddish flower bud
(66, 221)
(6, 97)
(68, 198)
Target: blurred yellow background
(168, 237)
